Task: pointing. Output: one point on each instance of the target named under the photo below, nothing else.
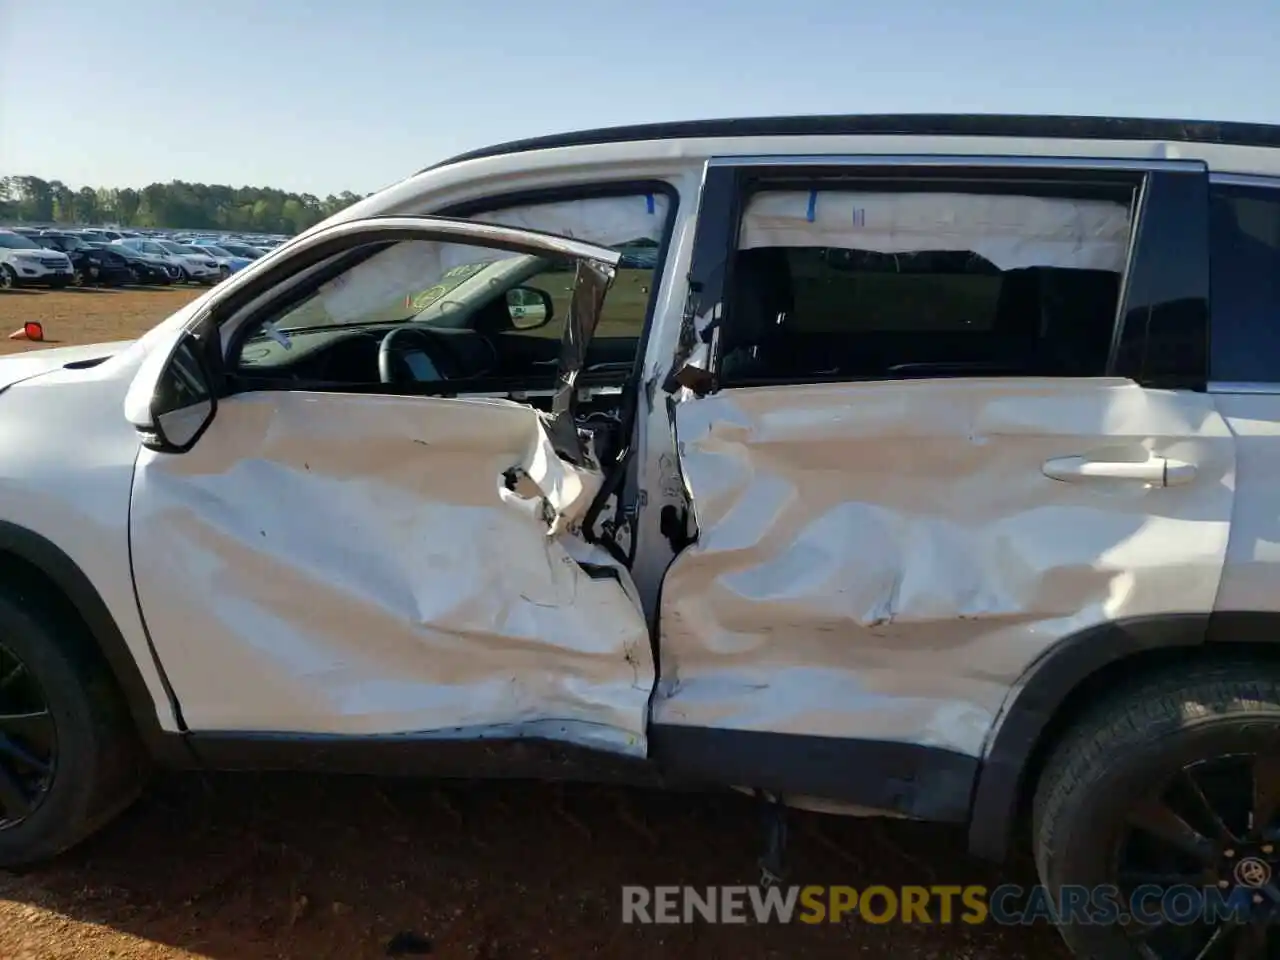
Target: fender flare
(66, 575)
(1041, 691)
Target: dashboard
(350, 355)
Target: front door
(351, 544)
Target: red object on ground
(29, 331)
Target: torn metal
(591, 284)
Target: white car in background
(195, 267)
(23, 262)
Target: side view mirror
(529, 308)
(183, 403)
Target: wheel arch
(36, 565)
(1060, 685)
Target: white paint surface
(885, 560)
(352, 564)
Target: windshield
(153, 248)
(216, 251)
(72, 243)
(16, 241)
(175, 247)
(240, 250)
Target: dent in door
(884, 560)
(348, 564)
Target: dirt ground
(87, 315)
(251, 868)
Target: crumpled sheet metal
(363, 573)
(885, 560)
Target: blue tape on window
(649, 204)
(813, 206)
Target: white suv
(188, 264)
(914, 466)
(23, 262)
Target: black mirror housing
(184, 402)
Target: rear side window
(871, 285)
(1245, 284)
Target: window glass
(1244, 229)
(633, 224)
(454, 309)
(845, 285)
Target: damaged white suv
(915, 466)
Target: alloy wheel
(7, 279)
(28, 742)
(77, 277)
(1208, 840)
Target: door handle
(1158, 471)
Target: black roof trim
(904, 124)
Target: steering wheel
(385, 353)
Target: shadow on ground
(240, 868)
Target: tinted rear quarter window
(1245, 284)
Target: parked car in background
(89, 267)
(239, 249)
(199, 267)
(25, 263)
(228, 263)
(191, 266)
(149, 269)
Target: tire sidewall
(76, 702)
(1091, 823)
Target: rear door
(936, 419)
(318, 552)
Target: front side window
(444, 310)
(16, 241)
(632, 223)
(1244, 232)
(841, 284)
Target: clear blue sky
(326, 95)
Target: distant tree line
(187, 206)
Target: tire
(1175, 742)
(8, 279)
(95, 770)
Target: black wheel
(8, 279)
(79, 278)
(1166, 797)
(223, 271)
(68, 759)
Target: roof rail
(903, 124)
